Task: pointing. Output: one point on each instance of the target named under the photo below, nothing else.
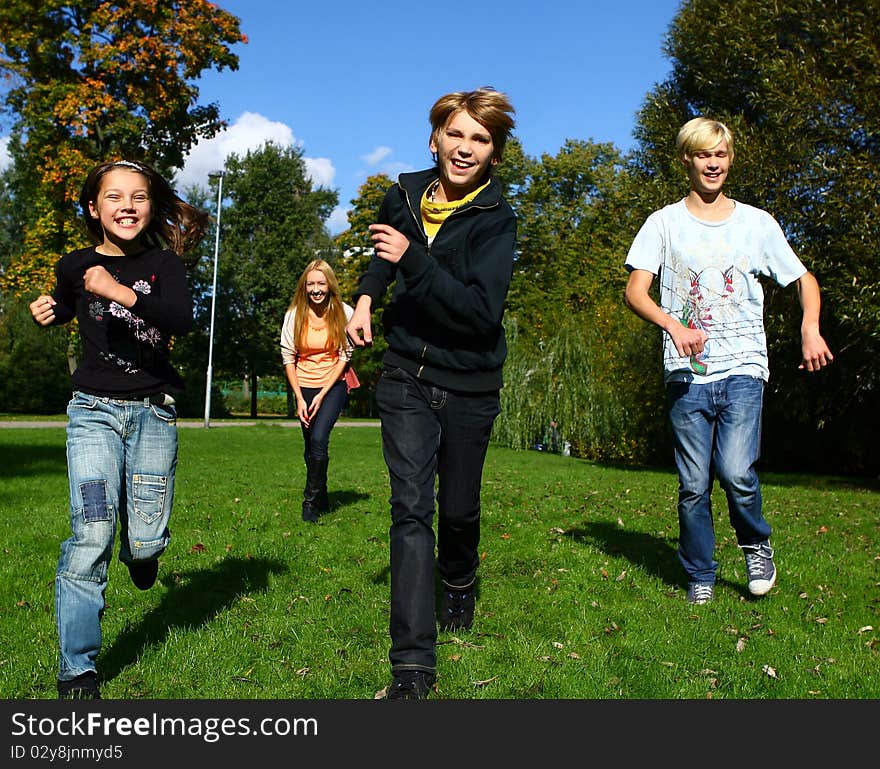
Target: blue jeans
(121, 459)
(316, 437)
(717, 433)
(430, 434)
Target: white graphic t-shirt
(709, 280)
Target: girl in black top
(129, 295)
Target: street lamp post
(219, 177)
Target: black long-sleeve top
(125, 351)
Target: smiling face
(316, 287)
(123, 208)
(707, 169)
(464, 150)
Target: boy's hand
(815, 352)
(688, 341)
(389, 244)
(42, 310)
(358, 329)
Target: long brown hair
(175, 223)
(335, 314)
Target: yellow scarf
(434, 213)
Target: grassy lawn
(581, 595)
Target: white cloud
(377, 155)
(5, 159)
(338, 220)
(320, 171)
(250, 131)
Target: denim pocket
(167, 414)
(81, 400)
(149, 496)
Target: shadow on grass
(193, 598)
(653, 554)
(25, 461)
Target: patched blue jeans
(121, 459)
(430, 435)
(717, 433)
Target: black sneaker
(410, 685)
(143, 573)
(83, 687)
(457, 609)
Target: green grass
(580, 593)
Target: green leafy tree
(797, 81)
(272, 226)
(33, 363)
(89, 81)
(576, 354)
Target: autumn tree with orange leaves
(91, 81)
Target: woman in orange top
(315, 351)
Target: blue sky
(351, 82)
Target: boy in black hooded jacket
(445, 238)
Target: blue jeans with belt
(429, 434)
(717, 433)
(121, 461)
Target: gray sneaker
(760, 567)
(700, 592)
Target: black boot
(316, 480)
(322, 502)
(310, 494)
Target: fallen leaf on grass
(865, 629)
(380, 695)
(821, 620)
(740, 644)
(822, 530)
(770, 671)
(466, 644)
(484, 683)
(620, 577)
(198, 547)
(303, 672)
(574, 655)
(558, 645)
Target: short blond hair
(701, 134)
(490, 108)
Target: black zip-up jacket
(443, 323)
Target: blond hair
(700, 134)
(335, 313)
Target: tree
(272, 227)
(575, 353)
(91, 81)
(797, 81)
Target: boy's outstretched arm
(358, 329)
(687, 341)
(814, 350)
